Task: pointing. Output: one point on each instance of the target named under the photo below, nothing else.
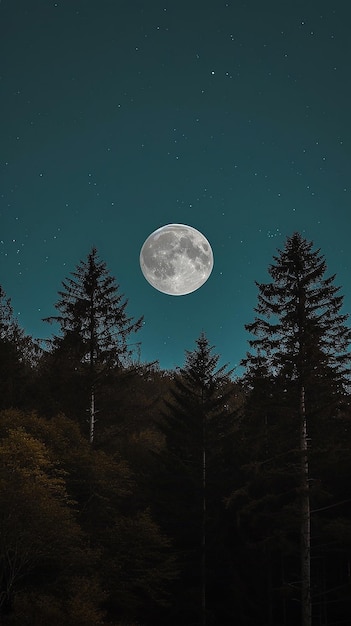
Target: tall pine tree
(302, 342)
(94, 327)
(197, 429)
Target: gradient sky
(120, 116)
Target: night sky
(120, 116)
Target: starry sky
(120, 116)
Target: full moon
(176, 259)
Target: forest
(136, 496)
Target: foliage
(193, 470)
(39, 532)
(300, 330)
(298, 372)
(92, 316)
(67, 508)
(19, 355)
(92, 348)
(193, 486)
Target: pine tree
(194, 425)
(94, 325)
(302, 341)
(19, 355)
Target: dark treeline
(132, 496)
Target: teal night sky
(120, 116)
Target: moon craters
(176, 259)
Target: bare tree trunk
(306, 611)
(203, 564)
(92, 414)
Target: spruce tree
(194, 464)
(302, 343)
(94, 326)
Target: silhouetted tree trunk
(305, 520)
(203, 573)
(92, 414)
